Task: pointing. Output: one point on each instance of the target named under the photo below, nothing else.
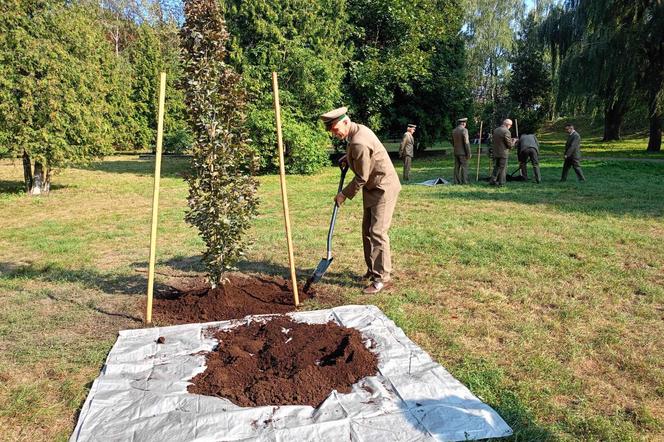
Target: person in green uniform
(529, 151)
(461, 152)
(406, 150)
(502, 143)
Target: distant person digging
(572, 154)
(528, 150)
(375, 176)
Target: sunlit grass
(546, 300)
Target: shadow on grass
(633, 188)
(175, 167)
(110, 284)
(195, 264)
(17, 187)
(487, 381)
(88, 278)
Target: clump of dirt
(283, 362)
(195, 301)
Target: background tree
(529, 85)
(408, 65)
(490, 31)
(304, 42)
(610, 52)
(55, 87)
(222, 192)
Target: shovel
(325, 262)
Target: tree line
(78, 78)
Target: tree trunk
(27, 172)
(47, 181)
(655, 114)
(655, 139)
(38, 180)
(613, 120)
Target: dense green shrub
(304, 42)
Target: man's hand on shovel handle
(339, 199)
(343, 161)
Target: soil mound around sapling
(241, 295)
(283, 362)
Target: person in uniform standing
(529, 150)
(572, 154)
(376, 177)
(502, 143)
(461, 152)
(406, 150)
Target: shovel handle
(344, 169)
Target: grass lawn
(633, 146)
(547, 300)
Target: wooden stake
(516, 124)
(282, 180)
(479, 152)
(155, 196)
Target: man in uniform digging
(461, 152)
(529, 151)
(406, 150)
(375, 176)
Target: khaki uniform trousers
(375, 225)
(499, 174)
(407, 160)
(461, 169)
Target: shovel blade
(323, 265)
(318, 273)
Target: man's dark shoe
(373, 288)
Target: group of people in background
(376, 178)
(502, 142)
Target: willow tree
(608, 50)
(222, 190)
(587, 48)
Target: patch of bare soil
(283, 362)
(193, 300)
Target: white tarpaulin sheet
(141, 393)
(434, 182)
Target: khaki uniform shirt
(461, 142)
(373, 169)
(502, 142)
(407, 145)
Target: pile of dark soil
(194, 301)
(282, 362)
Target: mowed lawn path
(547, 300)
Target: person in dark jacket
(572, 154)
(529, 150)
